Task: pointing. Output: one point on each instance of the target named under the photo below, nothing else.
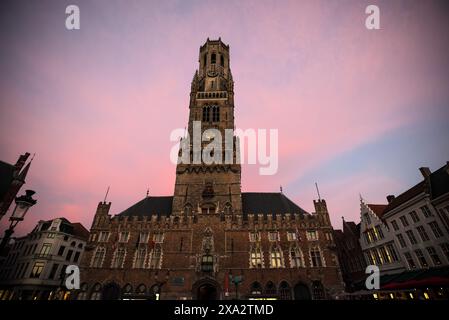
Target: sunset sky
(358, 111)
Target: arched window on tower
(205, 59)
(222, 61)
(206, 116)
(213, 58)
(215, 114)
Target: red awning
(429, 282)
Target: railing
(216, 95)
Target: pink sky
(358, 111)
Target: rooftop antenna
(280, 188)
(106, 195)
(318, 191)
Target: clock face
(212, 73)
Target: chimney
(425, 171)
(390, 198)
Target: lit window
(141, 255)
(291, 236)
(207, 263)
(254, 236)
(276, 257)
(312, 235)
(37, 269)
(256, 259)
(273, 236)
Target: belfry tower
(210, 185)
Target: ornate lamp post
(236, 280)
(23, 203)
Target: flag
(226, 284)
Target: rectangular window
(369, 258)
(273, 236)
(404, 221)
(392, 251)
(291, 236)
(434, 256)
(61, 250)
(436, 229)
(123, 237)
(445, 248)
(312, 235)
(69, 255)
(410, 261)
(411, 237)
(144, 236)
(51, 235)
(315, 256)
(414, 216)
(45, 250)
(53, 271)
(295, 258)
(158, 237)
(401, 240)
(254, 236)
(367, 238)
(76, 257)
(385, 255)
(37, 269)
(425, 210)
(328, 236)
(422, 233)
(379, 232)
(256, 258)
(276, 258)
(422, 260)
(103, 237)
(395, 226)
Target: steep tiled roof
(252, 203)
(268, 203)
(80, 231)
(150, 205)
(378, 209)
(406, 196)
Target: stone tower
(210, 187)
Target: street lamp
(23, 203)
(236, 280)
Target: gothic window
(256, 288)
(228, 209)
(97, 261)
(206, 111)
(318, 290)
(315, 256)
(205, 59)
(158, 237)
(207, 263)
(256, 259)
(215, 114)
(82, 295)
(270, 288)
(213, 58)
(296, 257)
(285, 292)
(96, 292)
(143, 237)
(119, 258)
(276, 257)
(156, 258)
(254, 236)
(141, 289)
(123, 236)
(187, 210)
(222, 61)
(273, 236)
(139, 262)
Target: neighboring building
(192, 245)
(350, 254)
(377, 241)
(12, 178)
(418, 220)
(35, 265)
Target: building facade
(35, 266)
(376, 240)
(350, 254)
(418, 220)
(210, 240)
